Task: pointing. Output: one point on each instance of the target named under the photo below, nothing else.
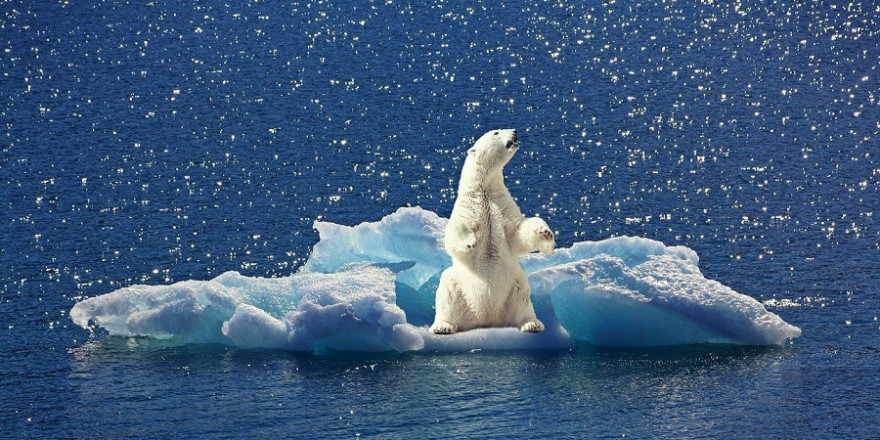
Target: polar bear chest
(492, 251)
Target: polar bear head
(494, 149)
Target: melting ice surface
(371, 288)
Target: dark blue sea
(153, 142)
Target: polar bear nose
(513, 142)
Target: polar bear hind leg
(448, 296)
(520, 304)
(532, 326)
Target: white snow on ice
(371, 288)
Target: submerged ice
(371, 287)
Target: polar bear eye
(496, 133)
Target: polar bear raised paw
(544, 233)
(535, 235)
(546, 240)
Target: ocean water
(157, 142)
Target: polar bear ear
(472, 150)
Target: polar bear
(486, 235)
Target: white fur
(486, 235)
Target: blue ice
(371, 287)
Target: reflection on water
(588, 391)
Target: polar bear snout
(513, 142)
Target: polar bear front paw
(532, 327)
(471, 243)
(443, 328)
(546, 241)
(544, 233)
(461, 244)
(463, 247)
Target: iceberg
(370, 287)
